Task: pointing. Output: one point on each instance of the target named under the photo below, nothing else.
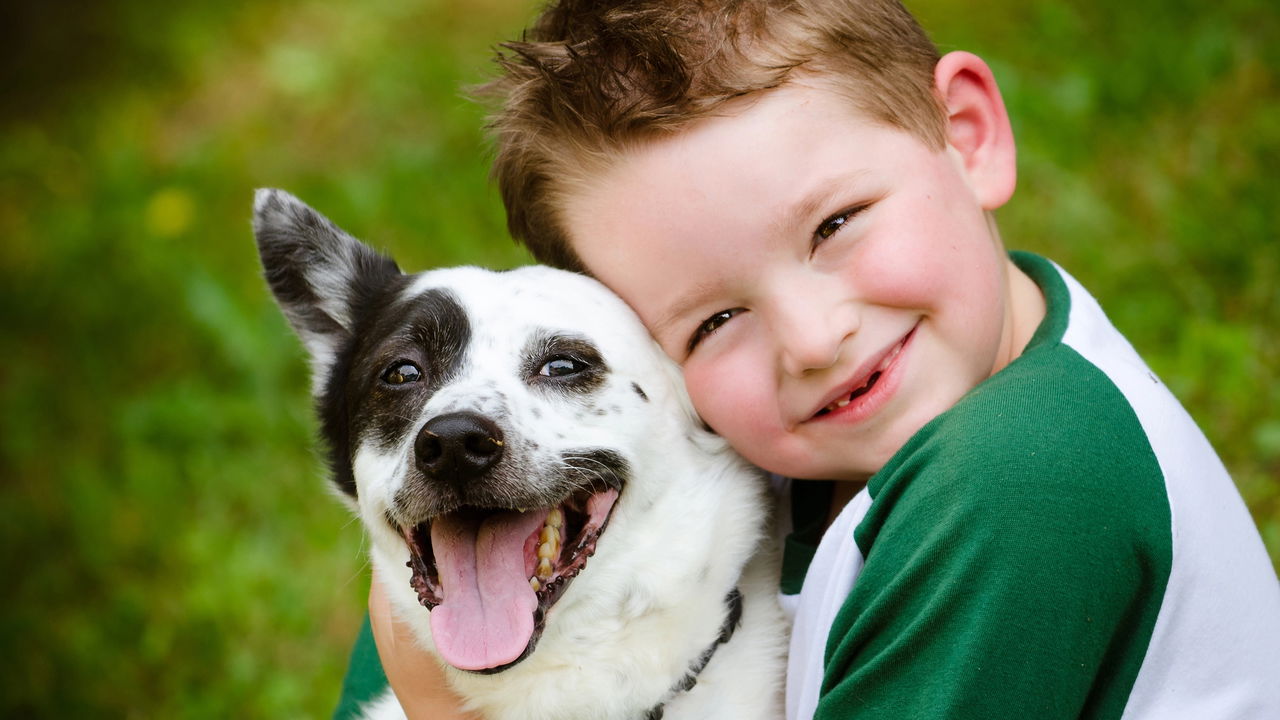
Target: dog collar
(731, 622)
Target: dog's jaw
(643, 608)
(489, 577)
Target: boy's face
(828, 284)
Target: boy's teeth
(871, 379)
(888, 358)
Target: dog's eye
(562, 366)
(401, 372)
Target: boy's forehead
(764, 145)
(763, 112)
(790, 117)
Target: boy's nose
(811, 339)
(799, 359)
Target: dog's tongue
(486, 617)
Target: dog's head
(484, 424)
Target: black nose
(458, 446)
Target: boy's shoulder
(1079, 396)
(1050, 430)
(1032, 503)
(1059, 401)
(1069, 498)
(1057, 425)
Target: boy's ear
(318, 273)
(978, 126)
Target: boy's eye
(710, 325)
(833, 224)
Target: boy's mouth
(870, 379)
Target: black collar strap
(731, 622)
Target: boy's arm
(385, 657)
(414, 675)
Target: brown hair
(591, 78)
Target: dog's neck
(731, 621)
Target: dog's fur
(568, 397)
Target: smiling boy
(838, 284)
(1012, 517)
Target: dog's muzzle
(497, 551)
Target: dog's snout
(458, 446)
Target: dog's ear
(318, 273)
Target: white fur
(692, 518)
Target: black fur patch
(341, 401)
(431, 331)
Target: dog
(543, 504)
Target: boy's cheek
(726, 397)
(914, 275)
(702, 391)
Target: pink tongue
(486, 617)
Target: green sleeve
(365, 679)
(1016, 555)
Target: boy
(795, 197)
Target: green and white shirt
(1062, 543)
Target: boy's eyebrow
(676, 310)
(818, 201)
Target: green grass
(169, 550)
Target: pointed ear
(318, 273)
(978, 126)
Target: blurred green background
(169, 549)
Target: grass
(169, 552)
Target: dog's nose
(458, 446)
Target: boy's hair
(591, 78)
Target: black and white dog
(547, 511)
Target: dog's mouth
(489, 575)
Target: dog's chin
(489, 575)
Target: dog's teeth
(533, 583)
(555, 518)
(549, 534)
(546, 551)
(544, 569)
